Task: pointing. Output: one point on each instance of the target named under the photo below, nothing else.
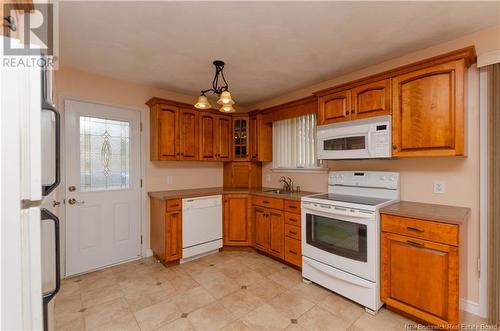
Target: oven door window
(345, 143)
(338, 237)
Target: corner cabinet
(428, 111)
(241, 141)
(237, 225)
(261, 139)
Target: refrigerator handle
(48, 296)
(46, 189)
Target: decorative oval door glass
(104, 154)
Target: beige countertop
(199, 192)
(428, 211)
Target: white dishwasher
(201, 226)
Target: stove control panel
(375, 179)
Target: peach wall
(78, 85)
(461, 174)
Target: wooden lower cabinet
(166, 229)
(237, 227)
(420, 277)
(277, 232)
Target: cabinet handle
(182, 153)
(292, 232)
(292, 207)
(292, 251)
(177, 205)
(266, 202)
(414, 243)
(394, 147)
(412, 228)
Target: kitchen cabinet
(420, 254)
(237, 225)
(428, 111)
(261, 228)
(241, 139)
(371, 99)
(164, 133)
(166, 229)
(261, 139)
(334, 108)
(363, 101)
(242, 174)
(215, 133)
(269, 231)
(188, 131)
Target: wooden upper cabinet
(428, 111)
(237, 220)
(164, 140)
(335, 107)
(372, 99)
(208, 136)
(241, 139)
(223, 138)
(188, 128)
(261, 139)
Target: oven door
(341, 241)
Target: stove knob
(391, 179)
(382, 178)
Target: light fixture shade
(202, 103)
(227, 109)
(225, 99)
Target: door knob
(71, 188)
(73, 201)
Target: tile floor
(230, 290)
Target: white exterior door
(103, 208)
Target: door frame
(63, 193)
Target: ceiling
(270, 48)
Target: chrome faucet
(287, 183)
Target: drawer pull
(292, 251)
(293, 220)
(177, 205)
(414, 243)
(266, 202)
(292, 232)
(412, 228)
(292, 207)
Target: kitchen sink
(277, 191)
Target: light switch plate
(169, 180)
(439, 186)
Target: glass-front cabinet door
(342, 238)
(241, 149)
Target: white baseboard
(469, 306)
(149, 252)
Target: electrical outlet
(268, 178)
(169, 180)
(439, 186)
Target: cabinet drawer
(292, 231)
(292, 206)
(267, 202)
(293, 253)
(293, 219)
(429, 230)
(174, 205)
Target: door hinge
(140, 126)
(141, 239)
(141, 182)
(479, 265)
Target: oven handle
(370, 218)
(48, 296)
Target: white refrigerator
(29, 171)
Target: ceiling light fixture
(225, 99)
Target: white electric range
(341, 234)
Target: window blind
(294, 143)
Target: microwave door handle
(48, 296)
(369, 142)
(46, 189)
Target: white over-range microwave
(358, 139)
